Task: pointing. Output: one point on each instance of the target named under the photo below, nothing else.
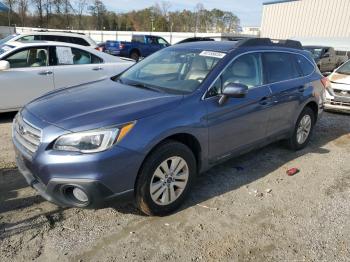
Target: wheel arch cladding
(314, 107)
(187, 139)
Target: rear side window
(138, 38)
(280, 67)
(79, 41)
(306, 67)
(75, 56)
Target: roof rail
(269, 42)
(57, 31)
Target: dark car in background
(140, 46)
(148, 132)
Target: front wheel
(165, 179)
(303, 129)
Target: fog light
(80, 195)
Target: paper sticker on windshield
(64, 55)
(212, 54)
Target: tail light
(99, 49)
(325, 82)
(121, 46)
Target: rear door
(29, 77)
(240, 122)
(287, 86)
(74, 66)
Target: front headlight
(92, 141)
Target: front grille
(338, 103)
(339, 92)
(26, 134)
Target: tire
(294, 142)
(149, 179)
(135, 56)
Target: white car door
(29, 77)
(76, 66)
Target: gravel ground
(246, 209)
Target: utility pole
(152, 23)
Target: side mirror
(4, 65)
(234, 90)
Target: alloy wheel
(304, 129)
(169, 180)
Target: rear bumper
(113, 52)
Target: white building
(306, 18)
(251, 30)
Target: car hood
(340, 78)
(99, 104)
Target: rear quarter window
(306, 67)
(79, 41)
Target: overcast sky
(249, 11)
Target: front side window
(74, 56)
(179, 70)
(152, 40)
(31, 57)
(246, 69)
(280, 67)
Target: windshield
(344, 69)
(5, 48)
(315, 52)
(174, 71)
(8, 38)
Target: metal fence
(102, 36)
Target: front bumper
(337, 107)
(101, 176)
(56, 189)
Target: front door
(240, 122)
(29, 77)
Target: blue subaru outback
(149, 131)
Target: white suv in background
(57, 36)
(29, 70)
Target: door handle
(263, 101)
(97, 68)
(45, 73)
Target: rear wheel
(303, 129)
(165, 179)
(135, 56)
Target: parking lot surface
(246, 209)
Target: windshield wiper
(142, 85)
